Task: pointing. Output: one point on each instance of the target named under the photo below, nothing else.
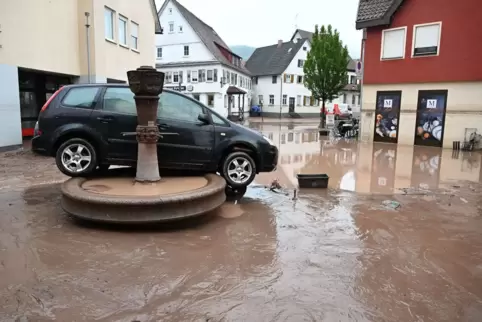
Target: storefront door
(429, 127)
(387, 115)
(292, 105)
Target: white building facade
(278, 80)
(198, 63)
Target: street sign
(359, 69)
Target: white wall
(10, 125)
(173, 43)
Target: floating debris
(391, 204)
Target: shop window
(81, 97)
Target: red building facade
(422, 81)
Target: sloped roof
(373, 13)
(158, 29)
(273, 60)
(303, 33)
(208, 36)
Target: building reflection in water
(370, 168)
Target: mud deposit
(333, 255)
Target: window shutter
(393, 43)
(284, 78)
(312, 101)
(292, 78)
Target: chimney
(280, 42)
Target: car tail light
(46, 105)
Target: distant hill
(243, 51)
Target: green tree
(325, 67)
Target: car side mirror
(204, 118)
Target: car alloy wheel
(240, 170)
(76, 158)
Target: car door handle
(105, 119)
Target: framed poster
(429, 127)
(387, 114)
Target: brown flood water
(330, 255)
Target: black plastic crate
(313, 180)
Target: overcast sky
(260, 23)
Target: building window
(300, 62)
(352, 79)
(285, 99)
(255, 80)
(274, 79)
(393, 43)
(175, 77)
(109, 23)
(426, 39)
(168, 77)
(215, 78)
(344, 98)
(202, 75)
(170, 11)
(236, 79)
(353, 98)
(186, 50)
(305, 49)
(298, 100)
(122, 31)
(194, 76)
(171, 27)
(260, 99)
(196, 96)
(210, 75)
(180, 29)
(358, 96)
(188, 76)
(159, 52)
(210, 100)
(271, 100)
(232, 79)
(300, 79)
(134, 35)
(289, 78)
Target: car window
(81, 97)
(119, 100)
(177, 107)
(217, 120)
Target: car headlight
(269, 141)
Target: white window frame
(112, 15)
(174, 75)
(404, 42)
(157, 52)
(207, 75)
(298, 100)
(123, 42)
(184, 51)
(194, 76)
(285, 99)
(260, 99)
(271, 99)
(415, 35)
(135, 36)
(171, 23)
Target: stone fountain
(147, 198)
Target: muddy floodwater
(397, 236)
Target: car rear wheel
(76, 158)
(238, 169)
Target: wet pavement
(337, 254)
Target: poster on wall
(429, 127)
(387, 114)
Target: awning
(234, 90)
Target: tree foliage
(326, 65)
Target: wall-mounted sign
(190, 88)
(176, 88)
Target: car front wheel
(76, 158)
(238, 169)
